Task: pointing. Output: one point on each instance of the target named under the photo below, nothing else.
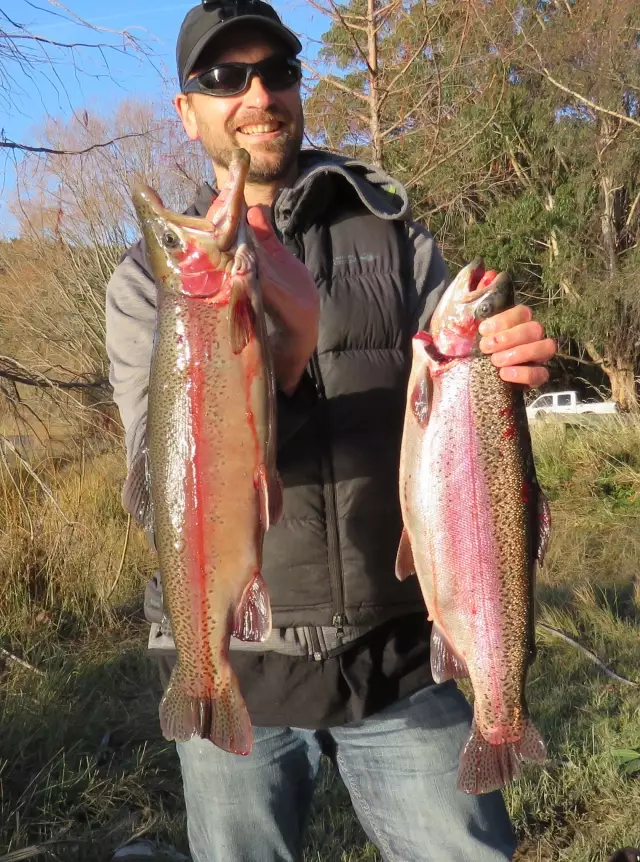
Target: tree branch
(335, 82)
(428, 168)
(26, 148)
(35, 378)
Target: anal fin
(405, 565)
(445, 664)
(252, 619)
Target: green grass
(82, 761)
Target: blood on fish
(193, 520)
(510, 432)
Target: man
(347, 279)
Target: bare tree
(27, 55)
(75, 220)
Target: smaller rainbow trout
(206, 482)
(476, 523)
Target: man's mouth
(264, 128)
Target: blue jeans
(399, 767)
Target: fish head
(474, 295)
(189, 255)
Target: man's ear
(183, 103)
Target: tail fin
(485, 767)
(221, 717)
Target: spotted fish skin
(475, 524)
(207, 483)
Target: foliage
(514, 125)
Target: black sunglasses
(231, 79)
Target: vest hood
(323, 176)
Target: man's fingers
(531, 376)
(531, 353)
(506, 320)
(522, 333)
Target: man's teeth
(260, 129)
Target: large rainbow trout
(476, 523)
(206, 482)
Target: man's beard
(261, 171)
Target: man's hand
(291, 299)
(517, 346)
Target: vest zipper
(331, 507)
(339, 619)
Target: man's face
(269, 125)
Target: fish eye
(170, 239)
(485, 308)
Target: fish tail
(485, 767)
(219, 716)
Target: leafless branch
(429, 168)
(337, 83)
(588, 654)
(20, 661)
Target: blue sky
(59, 89)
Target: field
(83, 766)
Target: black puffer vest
(331, 561)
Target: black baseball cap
(213, 17)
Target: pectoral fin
(271, 501)
(242, 319)
(136, 493)
(405, 565)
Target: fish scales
(472, 431)
(470, 505)
(202, 443)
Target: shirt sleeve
(130, 324)
(430, 276)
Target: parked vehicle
(567, 402)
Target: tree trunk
(622, 378)
(621, 372)
(607, 221)
(374, 94)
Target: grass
(82, 761)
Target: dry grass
(81, 757)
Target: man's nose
(258, 96)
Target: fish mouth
(479, 282)
(152, 211)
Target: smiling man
(347, 278)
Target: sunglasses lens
(279, 73)
(224, 80)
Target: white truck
(567, 402)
